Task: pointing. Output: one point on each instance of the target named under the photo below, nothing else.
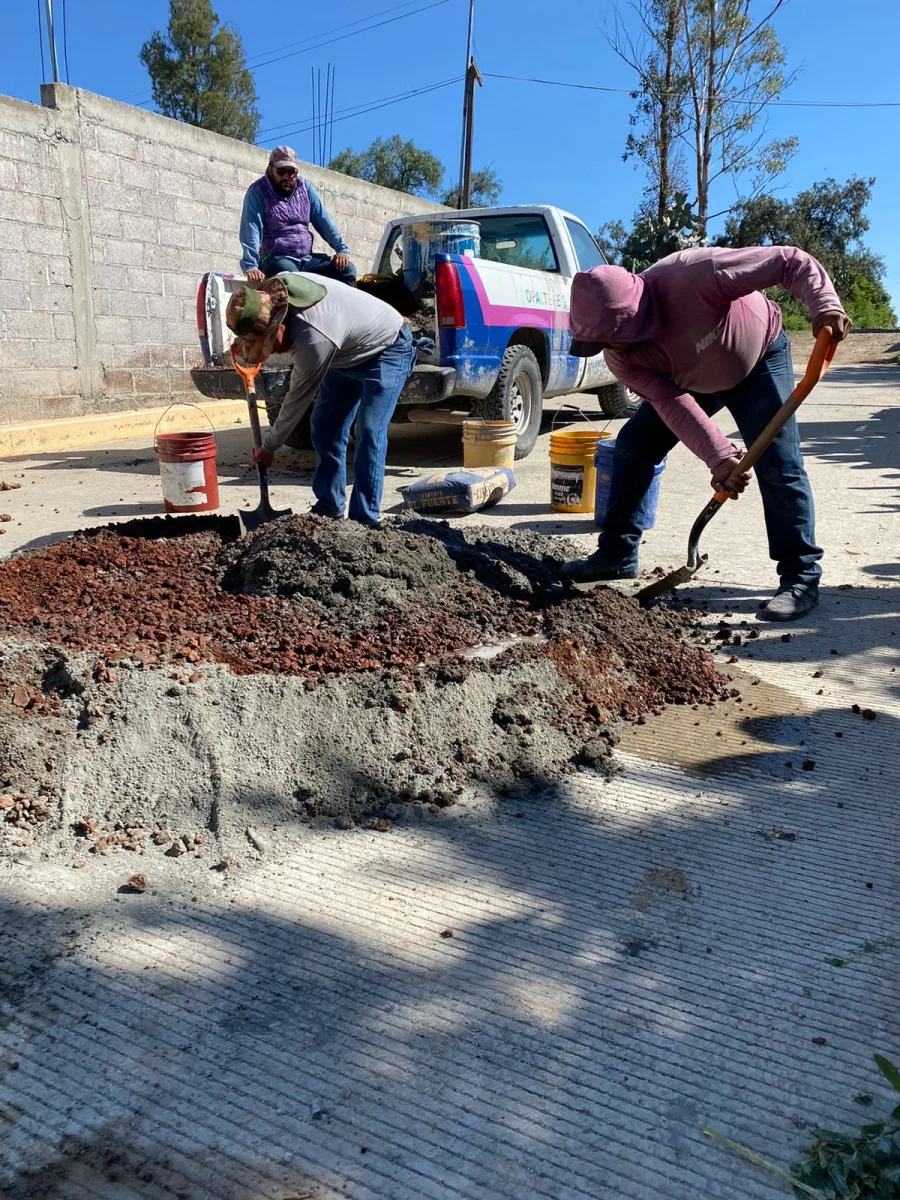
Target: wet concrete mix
(186, 693)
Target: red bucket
(187, 469)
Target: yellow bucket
(489, 443)
(573, 476)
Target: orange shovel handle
(819, 362)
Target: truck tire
(518, 395)
(301, 438)
(618, 401)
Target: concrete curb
(71, 433)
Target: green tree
(393, 163)
(198, 74)
(486, 189)
(651, 238)
(828, 220)
(706, 70)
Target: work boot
(790, 603)
(318, 511)
(595, 569)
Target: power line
(328, 41)
(41, 42)
(359, 109)
(591, 87)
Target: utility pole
(465, 153)
(51, 38)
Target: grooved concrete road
(628, 959)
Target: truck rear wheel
(618, 401)
(518, 395)
(301, 437)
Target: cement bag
(459, 490)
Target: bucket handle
(580, 410)
(186, 404)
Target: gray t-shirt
(347, 327)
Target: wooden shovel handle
(819, 362)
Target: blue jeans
(783, 484)
(367, 394)
(315, 264)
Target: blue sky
(549, 145)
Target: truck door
(594, 371)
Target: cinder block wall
(109, 215)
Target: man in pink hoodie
(693, 334)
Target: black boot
(790, 602)
(595, 569)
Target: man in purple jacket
(279, 209)
(693, 334)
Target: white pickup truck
(499, 320)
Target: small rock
(808, 764)
(446, 933)
(5, 517)
(158, 838)
(175, 850)
(819, 1041)
(786, 637)
(76, 866)
(136, 883)
(817, 674)
(255, 840)
(868, 714)
(856, 709)
(382, 825)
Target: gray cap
(284, 156)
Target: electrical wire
(328, 41)
(591, 87)
(359, 109)
(65, 33)
(41, 43)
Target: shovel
(264, 512)
(823, 353)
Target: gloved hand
(840, 324)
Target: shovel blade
(652, 592)
(262, 515)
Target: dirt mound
(318, 669)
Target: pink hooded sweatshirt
(698, 324)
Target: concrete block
(35, 325)
(22, 267)
(218, 242)
(116, 144)
(166, 258)
(181, 283)
(8, 178)
(173, 183)
(98, 165)
(152, 380)
(173, 233)
(102, 194)
(21, 147)
(14, 296)
(39, 240)
(127, 356)
(140, 279)
(122, 303)
(224, 218)
(173, 158)
(118, 383)
(180, 333)
(19, 207)
(153, 205)
(39, 181)
(54, 354)
(171, 357)
(105, 222)
(16, 353)
(64, 326)
(51, 297)
(140, 229)
(119, 252)
(189, 212)
(138, 175)
(51, 208)
(113, 331)
(59, 270)
(69, 382)
(148, 330)
(13, 233)
(31, 383)
(105, 276)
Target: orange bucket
(187, 470)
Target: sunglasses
(285, 170)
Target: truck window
(518, 241)
(587, 251)
(392, 258)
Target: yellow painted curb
(70, 433)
